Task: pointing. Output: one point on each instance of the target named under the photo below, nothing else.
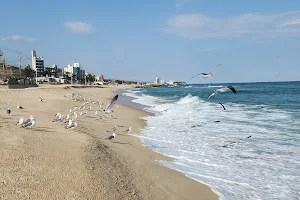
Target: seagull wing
(222, 105)
(212, 94)
(112, 103)
(232, 89)
(195, 76)
(210, 71)
(27, 124)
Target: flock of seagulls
(221, 90)
(85, 109)
(70, 119)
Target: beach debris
(8, 111)
(40, 99)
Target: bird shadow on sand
(42, 129)
(121, 143)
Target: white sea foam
(265, 166)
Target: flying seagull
(112, 103)
(222, 89)
(113, 136)
(222, 105)
(206, 75)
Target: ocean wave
(186, 129)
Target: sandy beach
(51, 162)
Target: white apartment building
(74, 69)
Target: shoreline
(80, 163)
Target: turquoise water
(220, 154)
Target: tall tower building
(37, 63)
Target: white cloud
(78, 26)
(255, 25)
(18, 38)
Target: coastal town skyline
(172, 39)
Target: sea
(251, 150)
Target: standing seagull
(112, 103)
(206, 75)
(8, 111)
(222, 89)
(113, 136)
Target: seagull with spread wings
(112, 103)
(206, 75)
(222, 89)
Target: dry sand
(51, 162)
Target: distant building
(162, 82)
(51, 71)
(82, 74)
(171, 82)
(100, 78)
(75, 70)
(157, 80)
(37, 63)
(59, 73)
(8, 71)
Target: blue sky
(173, 39)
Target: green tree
(90, 78)
(28, 72)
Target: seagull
(206, 75)
(109, 107)
(19, 107)
(222, 89)
(71, 125)
(113, 136)
(30, 124)
(8, 111)
(21, 121)
(128, 130)
(74, 125)
(222, 105)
